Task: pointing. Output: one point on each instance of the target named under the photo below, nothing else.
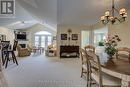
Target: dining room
(91, 44)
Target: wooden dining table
(119, 68)
(38, 49)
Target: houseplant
(100, 43)
(110, 44)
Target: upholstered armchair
(51, 50)
(22, 52)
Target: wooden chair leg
(7, 59)
(14, 57)
(3, 59)
(87, 79)
(82, 73)
(129, 57)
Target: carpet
(42, 71)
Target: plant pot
(110, 56)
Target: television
(21, 36)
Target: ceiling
(45, 11)
(21, 15)
(85, 12)
(61, 12)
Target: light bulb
(107, 13)
(102, 18)
(125, 15)
(122, 11)
(111, 18)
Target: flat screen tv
(21, 36)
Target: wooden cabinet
(69, 51)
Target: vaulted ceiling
(85, 12)
(45, 11)
(63, 12)
(21, 15)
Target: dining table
(38, 49)
(116, 67)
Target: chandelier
(110, 15)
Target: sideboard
(69, 51)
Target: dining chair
(123, 52)
(95, 73)
(90, 48)
(84, 67)
(4, 47)
(11, 51)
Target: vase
(110, 56)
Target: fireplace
(23, 45)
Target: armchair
(51, 50)
(22, 52)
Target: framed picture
(74, 36)
(63, 36)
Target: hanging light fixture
(110, 15)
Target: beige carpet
(40, 71)
(3, 82)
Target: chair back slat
(94, 65)
(83, 56)
(5, 45)
(90, 48)
(15, 45)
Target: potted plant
(100, 43)
(110, 44)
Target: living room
(47, 40)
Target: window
(37, 41)
(49, 38)
(43, 39)
(85, 38)
(99, 35)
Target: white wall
(64, 30)
(123, 30)
(9, 34)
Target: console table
(69, 51)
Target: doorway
(43, 39)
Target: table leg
(40, 51)
(124, 83)
(34, 50)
